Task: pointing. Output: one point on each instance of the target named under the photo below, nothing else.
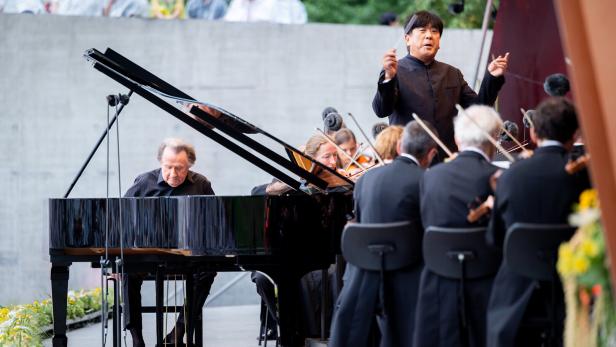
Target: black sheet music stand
(382, 247)
(462, 254)
(531, 251)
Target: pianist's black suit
(535, 190)
(152, 184)
(446, 191)
(386, 194)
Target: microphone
(332, 122)
(114, 100)
(327, 111)
(512, 128)
(556, 85)
(528, 119)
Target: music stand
(531, 251)
(462, 254)
(382, 247)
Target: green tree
(369, 11)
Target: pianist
(172, 178)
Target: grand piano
(282, 236)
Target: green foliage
(22, 325)
(369, 11)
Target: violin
(574, 166)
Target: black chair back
(531, 249)
(381, 246)
(445, 248)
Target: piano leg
(188, 306)
(59, 291)
(160, 280)
(288, 313)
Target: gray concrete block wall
(52, 108)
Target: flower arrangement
(22, 325)
(584, 269)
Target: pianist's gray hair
(469, 134)
(177, 145)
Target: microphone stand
(112, 100)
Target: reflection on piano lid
(202, 225)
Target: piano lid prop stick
(485, 133)
(329, 139)
(432, 135)
(378, 156)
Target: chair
(265, 315)
(382, 247)
(461, 254)
(531, 251)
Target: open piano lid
(205, 117)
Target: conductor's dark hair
(555, 119)
(422, 19)
(416, 141)
(387, 18)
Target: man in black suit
(535, 190)
(421, 84)
(447, 191)
(382, 195)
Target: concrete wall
(52, 108)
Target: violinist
(534, 190)
(321, 150)
(447, 192)
(386, 143)
(385, 194)
(345, 140)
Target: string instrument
(475, 214)
(574, 166)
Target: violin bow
(432, 135)
(329, 139)
(366, 137)
(485, 133)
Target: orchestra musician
(386, 143)
(345, 139)
(173, 178)
(385, 194)
(323, 151)
(446, 192)
(317, 147)
(420, 84)
(534, 190)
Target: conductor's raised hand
(390, 64)
(498, 66)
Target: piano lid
(206, 118)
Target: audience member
(276, 11)
(167, 9)
(389, 19)
(206, 9)
(22, 6)
(127, 8)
